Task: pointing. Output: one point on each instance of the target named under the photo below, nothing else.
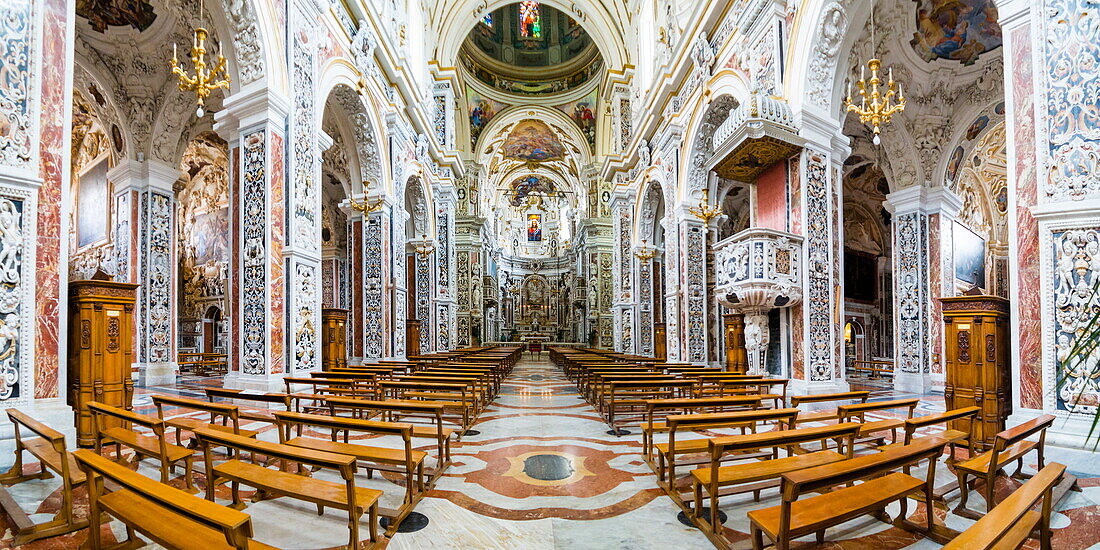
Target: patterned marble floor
(544, 474)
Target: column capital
(918, 198)
(149, 174)
(1013, 13)
(252, 105)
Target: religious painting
(533, 140)
(582, 112)
(969, 252)
(530, 23)
(482, 110)
(525, 186)
(92, 204)
(210, 236)
(977, 126)
(534, 227)
(954, 162)
(959, 30)
(116, 13)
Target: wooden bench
(627, 398)
(858, 412)
(826, 415)
(405, 461)
(168, 516)
(458, 403)
(761, 386)
(156, 446)
(53, 456)
(1008, 526)
(667, 453)
(1008, 446)
(652, 425)
(342, 496)
(882, 485)
(264, 399)
(313, 399)
(229, 415)
(754, 476)
(394, 410)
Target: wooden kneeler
(49, 448)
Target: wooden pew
(454, 397)
(753, 476)
(826, 415)
(313, 399)
(1008, 526)
(1008, 446)
(156, 446)
(652, 425)
(264, 399)
(342, 496)
(762, 386)
(398, 410)
(405, 461)
(882, 485)
(168, 516)
(627, 398)
(229, 414)
(52, 454)
(667, 453)
(858, 411)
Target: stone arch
(708, 117)
(339, 82)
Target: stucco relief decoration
(1073, 59)
(12, 288)
(695, 279)
(305, 147)
(910, 283)
(819, 234)
(305, 333)
(158, 285)
(246, 39)
(254, 278)
(374, 286)
(834, 23)
(17, 47)
(370, 162)
(1076, 267)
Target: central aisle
(543, 473)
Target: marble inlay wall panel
(694, 285)
(236, 273)
(17, 274)
(254, 252)
(821, 274)
(374, 285)
(304, 229)
(18, 89)
(910, 290)
(355, 237)
(157, 254)
(277, 224)
(645, 307)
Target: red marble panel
(387, 275)
(771, 198)
(52, 150)
(357, 335)
(275, 313)
(235, 265)
(1028, 298)
(797, 334)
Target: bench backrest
(828, 397)
(916, 423)
(703, 421)
(155, 425)
(988, 533)
(1007, 438)
(859, 409)
(56, 438)
(212, 438)
(270, 397)
(785, 438)
(230, 412)
(861, 467)
(236, 525)
(752, 401)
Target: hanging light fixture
(645, 253)
(366, 207)
(705, 211)
(877, 105)
(425, 248)
(204, 80)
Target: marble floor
(543, 473)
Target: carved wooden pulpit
(976, 360)
(334, 338)
(101, 336)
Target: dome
(528, 48)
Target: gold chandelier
(644, 252)
(425, 248)
(704, 211)
(366, 207)
(204, 80)
(877, 105)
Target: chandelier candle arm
(204, 80)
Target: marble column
(672, 289)
(693, 286)
(1052, 58)
(623, 274)
(819, 337)
(644, 307)
(146, 254)
(923, 222)
(444, 330)
(301, 254)
(255, 122)
(423, 293)
(396, 291)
